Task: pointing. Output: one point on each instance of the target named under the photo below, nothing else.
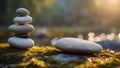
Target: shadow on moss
(9, 54)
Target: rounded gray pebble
(22, 12)
(21, 42)
(21, 28)
(74, 45)
(23, 20)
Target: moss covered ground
(41, 57)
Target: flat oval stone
(22, 12)
(74, 45)
(21, 28)
(21, 42)
(23, 35)
(22, 20)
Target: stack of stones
(21, 30)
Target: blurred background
(64, 18)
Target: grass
(41, 57)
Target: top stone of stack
(23, 16)
(22, 12)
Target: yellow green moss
(41, 57)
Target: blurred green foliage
(41, 10)
(94, 14)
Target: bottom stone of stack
(21, 42)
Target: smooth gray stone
(20, 42)
(21, 28)
(65, 57)
(74, 45)
(23, 35)
(22, 20)
(22, 12)
(110, 44)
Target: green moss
(105, 59)
(40, 57)
(10, 55)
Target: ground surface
(41, 57)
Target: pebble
(74, 45)
(21, 42)
(22, 20)
(23, 35)
(22, 12)
(65, 57)
(110, 44)
(21, 28)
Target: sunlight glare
(98, 3)
(108, 6)
(119, 35)
(112, 2)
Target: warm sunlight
(119, 35)
(108, 6)
(112, 6)
(112, 2)
(109, 3)
(98, 3)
